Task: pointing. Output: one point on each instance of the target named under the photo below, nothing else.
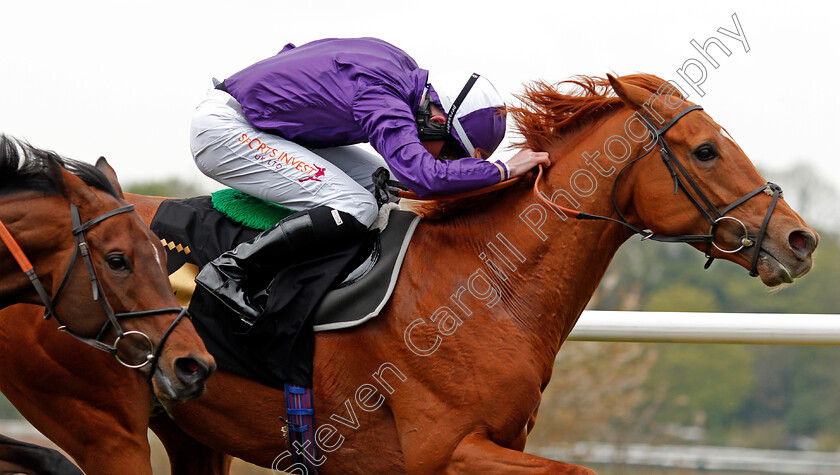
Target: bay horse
(72, 243)
(449, 377)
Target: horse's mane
(26, 168)
(544, 115)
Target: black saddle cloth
(279, 348)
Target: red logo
(317, 175)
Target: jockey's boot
(251, 265)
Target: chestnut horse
(71, 242)
(449, 377)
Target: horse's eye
(118, 262)
(705, 153)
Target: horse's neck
(560, 262)
(37, 235)
(146, 206)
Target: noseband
(683, 181)
(82, 248)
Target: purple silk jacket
(345, 91)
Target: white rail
(700, 458)
(697, 327)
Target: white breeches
(231, 151)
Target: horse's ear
(109, 172)
(75, 190)
(631, 95)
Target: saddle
(342, 289)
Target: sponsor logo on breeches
(317, 176)
(276, 159)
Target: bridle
(683, 181)
(82, 248)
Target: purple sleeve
(392, 131)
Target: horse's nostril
(801, 241)
(191, 370)
(192, 366)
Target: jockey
(282, 130)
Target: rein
(82, 248)
(410, 195)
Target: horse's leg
(478, 454)
(22, 457)
(100, 444)
(66, 391)
(519, 442)
(188, 456)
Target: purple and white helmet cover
(479, 123)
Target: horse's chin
(773, 272)
(169, 393)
